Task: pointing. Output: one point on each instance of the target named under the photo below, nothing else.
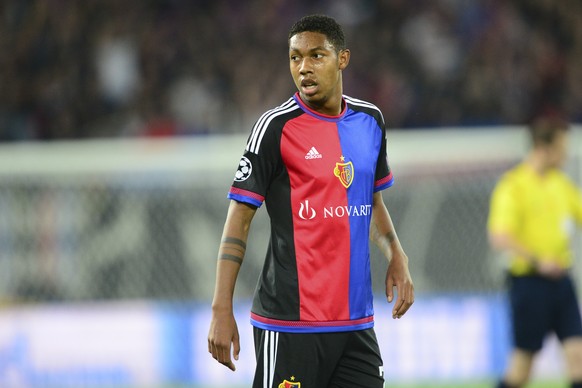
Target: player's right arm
(223, 329)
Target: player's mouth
(308, 87)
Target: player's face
(316, 70)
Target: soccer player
(319, 163)
(534, 210)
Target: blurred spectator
(106, 68)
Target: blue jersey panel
(360, 139)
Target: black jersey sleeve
(261, 159)
(383, 178)
(257, 165)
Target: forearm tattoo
(226, 256)
(233, 249)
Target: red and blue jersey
(317, 175)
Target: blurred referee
(534, 210)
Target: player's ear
(343, 58)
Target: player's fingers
(405, 300)
(221, 353)
(397, 307)
(224, 358)
(389, 289)
(211, 347)
(404, 306)
(236, 346)
(230, 365)
(216, 354)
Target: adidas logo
(313, 154)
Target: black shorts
(540, 306)
(318, 360)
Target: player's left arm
(383, 234)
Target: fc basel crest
(344, 172)
(289, 384)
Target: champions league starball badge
(244, 170)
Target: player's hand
(550, 270)
(398, 276)
(223, 332)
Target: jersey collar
(318, 115)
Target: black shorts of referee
(540, 306)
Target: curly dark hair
(324, 25)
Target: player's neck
(537, 161)
(330, 107)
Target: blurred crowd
(74, 69)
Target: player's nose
(305, 66)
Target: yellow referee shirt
(540, 212)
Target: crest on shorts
(290, 384)
(344, 172)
